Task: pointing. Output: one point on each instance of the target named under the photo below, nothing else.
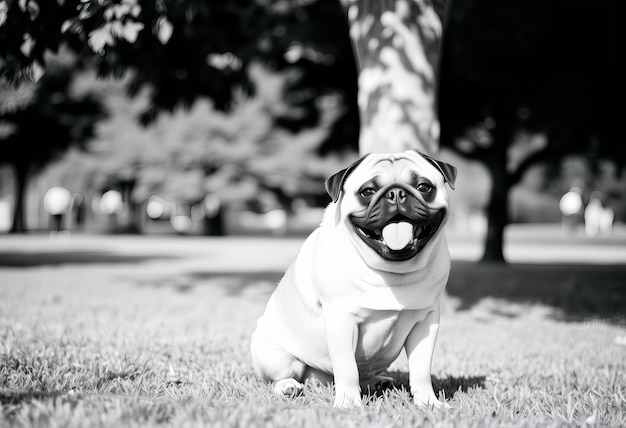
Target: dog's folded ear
(448, 171)
(335, 183)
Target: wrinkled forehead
(404, 167)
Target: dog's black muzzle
(397, 203)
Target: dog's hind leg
(274, 364)
(288, 387)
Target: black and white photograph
(312, 213)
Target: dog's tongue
(398, 235)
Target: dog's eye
(368, 192)
(425, 188)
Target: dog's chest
(382, 334)
(390, 294)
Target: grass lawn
(98, 339)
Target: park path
(524, 244)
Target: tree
(185, 50)
(186, 155)
(396, 44)
(507, 70)
(181, 51)
(43, 126)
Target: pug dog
(365, 285)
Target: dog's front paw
(428, 400)
(347, 398)
(288, 388)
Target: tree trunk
(498, 208)
(134, 216)
(497, 211)
(21, 179)
(396, 44)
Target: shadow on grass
(11, 401)
(450, 386)
(33, 259)
(578, 292)
(241, 281)
(235, 283)
(18, 397)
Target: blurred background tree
(516, 92)
(185, 50)
(181, 51)
(188, 154)
(40, 122)
(511, 70)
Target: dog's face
(393, 204)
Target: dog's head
(393, 204)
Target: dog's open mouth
(400, 238)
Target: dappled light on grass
(163, 341)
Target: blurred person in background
(598, 218)
(571, 206)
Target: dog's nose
(396, 196)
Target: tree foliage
(184, 50)
(508, 68)
(186, 155)
(510, 58)
(44, 125)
